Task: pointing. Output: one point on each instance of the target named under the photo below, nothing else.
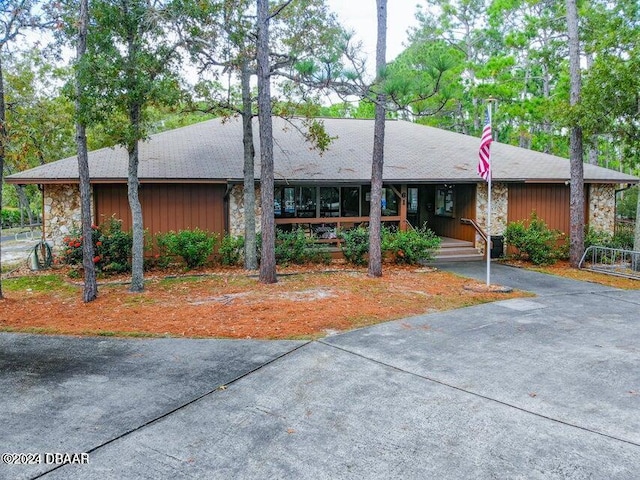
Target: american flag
(484, 165)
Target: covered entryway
(441, 206)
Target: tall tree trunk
(636, 236)
(137, 248)
(250, 255)
(546, 123)
(133, 191)
(90, 290)
(3, 138)
(377, 164)
(576, 214)
(268, 254)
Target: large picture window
(333, 202)
(294, 202)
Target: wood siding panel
(165, 207)
(549, 201)
(111, 200)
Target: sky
(360, 16)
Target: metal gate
(612, 261)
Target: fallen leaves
(231, 304)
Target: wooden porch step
(453, 250)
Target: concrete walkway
(535, 388)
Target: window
(329, 202)
(412, 200)
(284, 202)
(389, 202)
(350, 201)
(444, 201)
(294, 202)
(306, 202)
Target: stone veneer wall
(499, 209)
(61, 212)
(602, 207)
(236, 210)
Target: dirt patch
(306, 303)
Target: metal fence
(612, 261)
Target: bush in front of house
(411, 246)
(623, 238)
(111, 246)
(231, 250)
(593, 237)
(193, 246)
(355, 245)
(535, 241)
(290, 247)
(317, 253)
(295, 247)
(404, 247)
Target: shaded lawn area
(232, 304)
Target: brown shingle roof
(212, 151)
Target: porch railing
(483, 235)
(326, 229)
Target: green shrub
(537, 241)
(355, 245)
(113, 246)
(623, 239)
(193, 246)
(627, 206)
(231, 250)
(291, 247)
(295, 247)
(317, 253)
(411, 246)
(10, 217)
(593, 237)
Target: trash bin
(497, 246)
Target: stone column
(61, 215)
(602, 207)
(236, 210)
(499, 209)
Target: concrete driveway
(537, 388)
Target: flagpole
(489, 179)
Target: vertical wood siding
(165, 207)
(549, 201)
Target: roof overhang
(97, 181)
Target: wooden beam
(403, 206)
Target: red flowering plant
(111, 247)
(72, 253)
